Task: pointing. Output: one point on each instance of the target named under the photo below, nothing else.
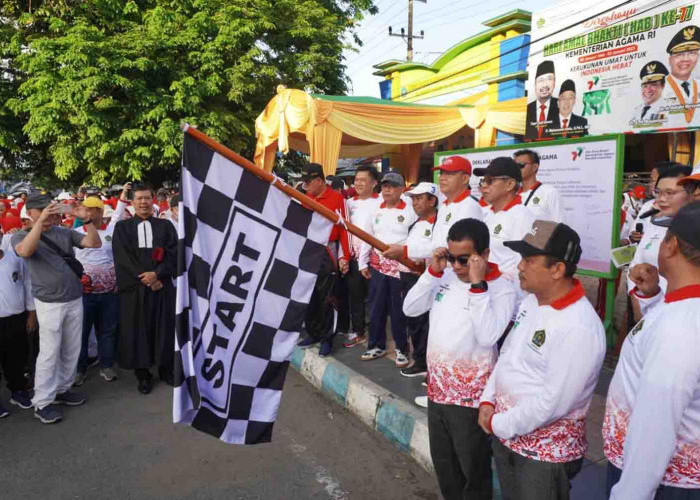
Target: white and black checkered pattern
(247, 262)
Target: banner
(585, 173)
(248, 258)
(631, 69)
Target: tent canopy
(332, 127)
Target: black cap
(652, 72)
(502, 166)
(38, 199)
(686, 224)
(544, 68)
(549, 238)
(566, 86)
(687, 38)
(312, 171)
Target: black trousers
(417, 328)
(358, 288)
(342, 294)
(461, 452)
(14, 350)
(526, 479)
(322, 306)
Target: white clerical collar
(145, 234)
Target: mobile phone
(64, 209)
(639, 227)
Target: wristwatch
(480, 287)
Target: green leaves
(101, 87)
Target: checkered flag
(247, 262)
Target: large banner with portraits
(588, 174)
(595, 69)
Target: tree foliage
(99, 88)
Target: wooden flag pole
(290, 191)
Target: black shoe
(145, 386)
(414, 371)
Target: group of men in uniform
(510, 344)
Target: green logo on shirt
(449, 216)
(497, 229)
(400, 218)
(536, 200)
(538, 338)
(108, 238)
(427, 233)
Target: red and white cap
(455, 164)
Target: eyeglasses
(487, 181)
(462, 259)
(523, 164)
(667, 193)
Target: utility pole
(410, 36)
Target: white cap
(64, 196)
(423, 188)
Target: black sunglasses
(522, 164)
(462, 259)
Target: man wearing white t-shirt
(651, 430)
(537, 398)
(360, 209)
(454, 185)
(543, 200)
(507, 219)
(100, 300)
(671, 197)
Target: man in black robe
(145, 260)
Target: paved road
(122, 445)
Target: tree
(107, 83)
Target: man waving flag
(247, 262)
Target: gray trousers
(527, 479)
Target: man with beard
(145, 259)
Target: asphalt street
(123, 445)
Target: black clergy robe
(146, 318)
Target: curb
(397, 421)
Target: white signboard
(585, 174)
(599, 68)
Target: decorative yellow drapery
(351, 127)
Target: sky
(445, 22)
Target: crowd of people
(501, 329)
(497, 322)
(85, 264)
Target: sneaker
(325, 349)
(307, 342)
(3, 411)
(21, 399)
(108, 374)
(373, 353)
(354, 339)
(69, 398)
(401, 358)
(421, 401)
(49, 414)
(79, 379)
(414, 371)
(93, 362)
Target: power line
(531, 42)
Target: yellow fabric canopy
(330, 127)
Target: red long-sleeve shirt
(333, 200)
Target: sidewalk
(381, 397)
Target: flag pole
(290, 191)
